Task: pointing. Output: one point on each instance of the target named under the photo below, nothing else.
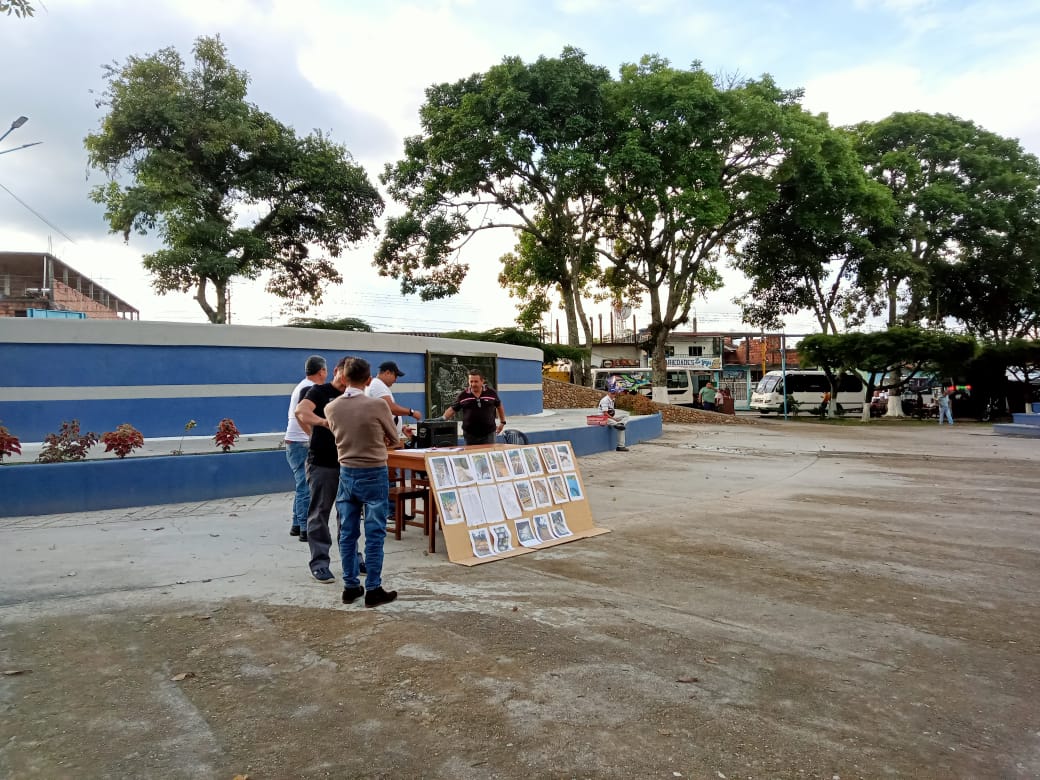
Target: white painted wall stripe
(129, 392)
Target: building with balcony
(38, 284)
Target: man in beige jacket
(363, 428)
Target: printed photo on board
(451, 507)
(463, 468)
(516, 463)
(441, 471)
(525, 533)
(525, 494)
(532, 461)
(499, 465)
(541, 492)
(482, 467)
(481, 543)
(558, 488)
(502, 538)
(573, 487)
(559, 523)
(541, 526)
(566, 457)
(549, 453)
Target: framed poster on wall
(447, 375)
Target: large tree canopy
(691, 165)
(231, 191)
(964, 241)
(806, 247)
(516, 147)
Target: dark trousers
(324, 483)
(472, 438)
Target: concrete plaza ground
(789, 600)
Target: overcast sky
(358, 70)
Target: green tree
(966, 212)
(202, 162)
(887, 359)
(522, 338)
(20, 8)
(340, 323)
(690, 165)
(516, 147)
(805, 248)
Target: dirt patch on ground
(769, 605)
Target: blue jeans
(296, 454)
(367, 489)
(947, 412)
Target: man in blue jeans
(297, 444)
(364, 429)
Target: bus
(807, 388)
(683, 384)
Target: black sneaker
(379, 596)
(303, 536)
(361, 567)
(294, 531)
(622, 449)
(350, 595)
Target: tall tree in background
(690, 166)
(517, 147)
(964, 196)
(806, 247)
(202, 161)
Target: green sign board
(447, 375)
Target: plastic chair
(513, 436)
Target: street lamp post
(14, 126)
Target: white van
(683, 383)
(807, 388)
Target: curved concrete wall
(157, 376)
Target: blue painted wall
(157, 376)
(38, 489)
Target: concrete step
(1017, 429)
(1021, 418)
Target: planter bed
(53, 488)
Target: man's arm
(306, 417)
(389, 429)
(402, 411)
(501, 416)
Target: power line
(38, 215)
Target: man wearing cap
(380, 388)
(297, 444)
(606, 406)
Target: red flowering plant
(123, 440)
(9, 444)
(70, 444)
(227, 434)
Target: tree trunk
(894, 407)
(200, 296)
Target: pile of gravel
(564, 395)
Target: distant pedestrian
(946, 406)
(606, 406)
(297, 443)
(707, 396)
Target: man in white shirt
(606, 406)
(380, 388)
(297, 443)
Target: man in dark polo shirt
(322, 469)
(479, 405)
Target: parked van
(807, 388)
(683, 383)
